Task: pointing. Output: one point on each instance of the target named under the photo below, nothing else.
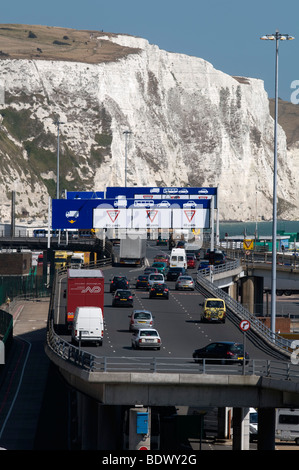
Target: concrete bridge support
(233, 291)
(252, 294)
(94, 426)
(266, 429)
(241, 429)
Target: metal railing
(220, 268)
(240, 312)
(282, 370)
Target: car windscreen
(142, 315)
(215, 304)
(148, 333)
(123, 293)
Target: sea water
(262, 228)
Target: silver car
(185, 282)
(155, 278)
(141, 319)
(146, 338)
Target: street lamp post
(57, 123)
(126, 152)
(275, 37)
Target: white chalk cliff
(191, 125)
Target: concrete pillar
(252, 294)
(266, 429)
(2, 352)
(247, 293)
(241, 429)
(89, 423)
(233, 291)
(110, 427)
(259, 295)
(139, 428)
(224, 423)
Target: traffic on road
(177, 316)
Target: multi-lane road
(176, 319)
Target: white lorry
(77, 260)
(132, 250)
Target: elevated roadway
(115, 374)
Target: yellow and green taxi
(214, 310)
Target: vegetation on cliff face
(190, 124)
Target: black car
(141, 281)
(161, 241)
(215, 257)
(159, 290)
(122, 297)
(223, 352)
(119, 282)
(174, 273)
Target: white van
(287, 424)
(253, 424)
(88, 325)
(178, 258)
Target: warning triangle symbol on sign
(113, 214)
(151, 214)
(189, 214)
(248, 243)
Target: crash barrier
(6, 326)
(238, 312)
(284, 370)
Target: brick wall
(15, 263)
(282, 324)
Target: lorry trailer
(132, 250)
(85, 288)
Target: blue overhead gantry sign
(135, 192)
(85, 194)
(82, 213)
(134, 207)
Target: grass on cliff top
(53, 43)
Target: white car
(146, 338)
(190, 204)
(163, 204)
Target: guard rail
(282, 370)
(237, 311)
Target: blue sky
(225, 33)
